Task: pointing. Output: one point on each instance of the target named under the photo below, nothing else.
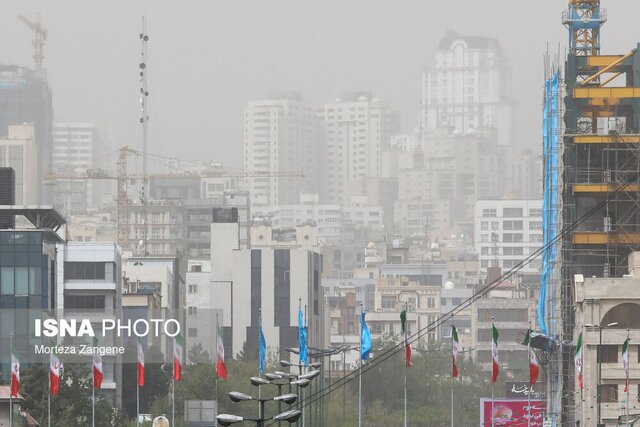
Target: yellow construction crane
(122, 177)
(39, 37)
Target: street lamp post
(289, 416)
(599, 356)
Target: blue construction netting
(549, 198)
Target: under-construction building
(592, 190)
(25, 97)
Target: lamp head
(288, 398)
(236, 396)
(256, 381)
(227, 419)
(290, 416)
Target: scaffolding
(600, 168)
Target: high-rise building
(19, 152)
(281, 134)
(357, 129)
(25, 97)
(75, 148)
(467, 87)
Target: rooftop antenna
(144, 120)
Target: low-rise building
(607, 312)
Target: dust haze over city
(363, 213)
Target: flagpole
(173, 401)
(137, 386)
(492, 381)
(260, 414)
(627, 378)
(529, 392)
(406, 362)
(49, 397)
(217, 330)
(360, 375)
(93, 396)
(11, 385)
(452, 378)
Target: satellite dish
(140, 242)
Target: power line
(448, 316)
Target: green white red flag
(140, 366)
(405, 333)
(495, 371)
(455, 347)
(625, 363)
(98, 373)
(55, 370)
(221, 368)
(15, 372)
(577, 358)
(534, 366)
(178, 357)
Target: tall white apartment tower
(357, 128)
(281, 134)
(75, 148)
(467, 87)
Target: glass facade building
(27, 286)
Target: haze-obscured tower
(281, 134)
(25, 97)
(357, 128)
(467, 87)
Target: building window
(609, 353)
(512, 237)
(193, 332)
(535, 225)
(388, 302)
(512, 225)
(84, 302)
(535, 212)
(84, 271)
(193, 289)
(484, 225)
(193, 311)
(512, 212)
(489, 213)
(431, 302)
(609, 393)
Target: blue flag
(302, 339)
(263, 351)
(365, 342)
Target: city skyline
(93, 68)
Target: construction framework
(600, 154)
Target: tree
(197, 354)
(72, 406)
(156, 380)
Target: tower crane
(122, 177)
(39, 37)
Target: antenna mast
(144, 119)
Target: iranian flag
(577, 358)
(534, 366)
(625, 363)
(405, 333)
(178, 352)
(221, 368)
(455, 346)
(55, 369)
(140, 366)
(98, 373)
(15, 372)
(494, 354)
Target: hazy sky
(208, 58)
